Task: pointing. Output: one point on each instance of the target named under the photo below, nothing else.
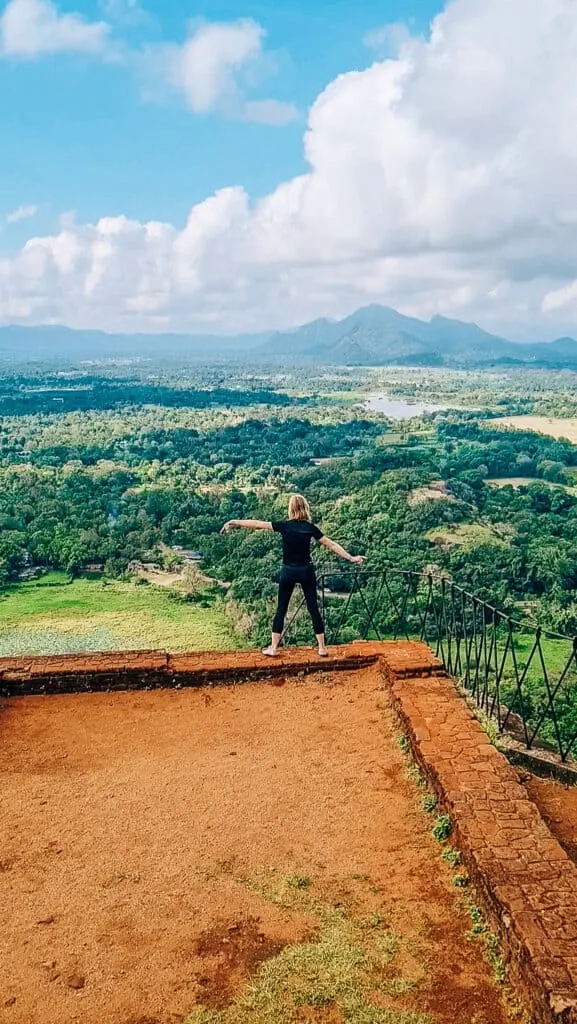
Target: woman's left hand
(227, 527)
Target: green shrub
(442, 828)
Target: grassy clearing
(556, 657)
(436, 491)
(345, 397)
(350, 968)
(556, 654)
(392, 438)
(551, 426)
(467, 535)
(52, 616)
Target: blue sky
(83, 134)
(154, 174)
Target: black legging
(290, 576)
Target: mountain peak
(376, 335)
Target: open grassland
(556, 654)
(556, 428)
(52, 616)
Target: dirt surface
(144, 835)
(558, 807)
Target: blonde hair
(299, 508)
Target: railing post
(445, 626)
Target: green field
(558, 665)
(52, 616)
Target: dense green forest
(130, 463)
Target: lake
(397, 408)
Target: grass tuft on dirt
(347, 969)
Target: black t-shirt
(296, 540)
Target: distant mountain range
(373, 336)
(47, 343)
(377, 335)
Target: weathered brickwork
(133, 670)
(528, 882)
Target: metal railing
(523, 677)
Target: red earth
(558, 806)
(136, 827)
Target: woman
(296, 532)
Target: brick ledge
(527, 882)
(118, 670)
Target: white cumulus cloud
(24, 212)
(29, 28)
(124, 12)
(438, 181)
(388, 40)
(209, 67)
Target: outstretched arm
(247, 524)
(338, 550)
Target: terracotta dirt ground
(158, 847)
(558, 806)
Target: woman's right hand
(227, 527)
(358, 559)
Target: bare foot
(323, 653)
(271, 652)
